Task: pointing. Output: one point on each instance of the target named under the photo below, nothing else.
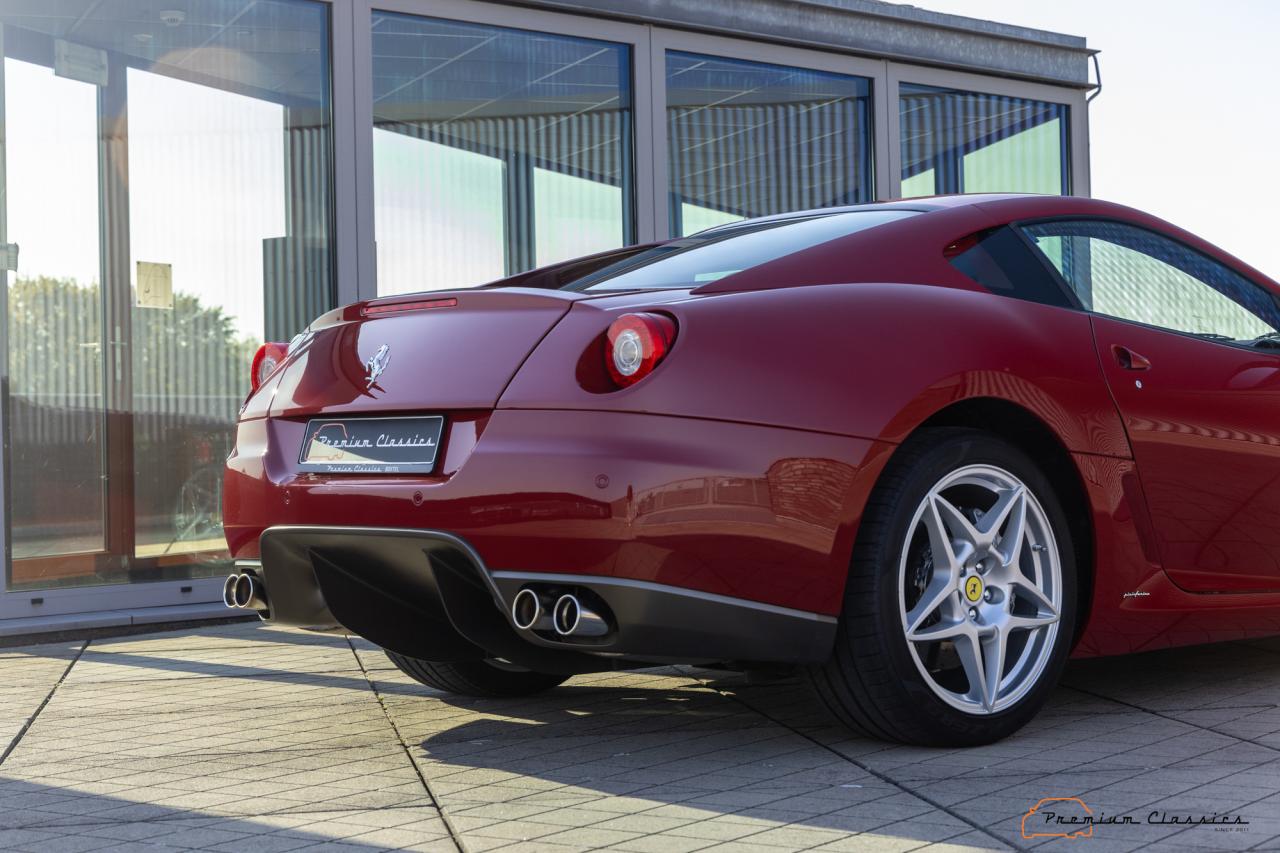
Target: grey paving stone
(244, 737)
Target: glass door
(197, 310)
(58, 354)
(165, 207)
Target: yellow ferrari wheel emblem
(973, 588)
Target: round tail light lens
(635, 345)
(265, 361)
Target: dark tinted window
(1001, 262)
(713, 255)
(1135, 274)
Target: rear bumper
(742, 511)
(428, 594)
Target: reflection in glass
(56, 421)
(703, 259)
(969, 142)
(190, 141)
(438, 214)
(695, 218)
(169, 192)
(576, 216)
(495, 150)
(748, 139)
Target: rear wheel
(959, 608)
(476, 677)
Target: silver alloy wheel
(980, 588)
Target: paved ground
(240, 737)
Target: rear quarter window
(1001, 261)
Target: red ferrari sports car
(922, 451)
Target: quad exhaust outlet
(244, 592)
(533, 610)
(571, 619)
(528, 612)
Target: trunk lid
(434, 351)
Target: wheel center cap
(973, 589)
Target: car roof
(891, 251)
(923, 204)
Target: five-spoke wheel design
(980, 589)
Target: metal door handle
(1128, 359)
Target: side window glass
(1134, 274)
(1000, 261)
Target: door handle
(1128, 359)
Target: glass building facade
(181, 181)
(970, 142)
(167, 207)
(739, 133)
(495, 150)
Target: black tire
(475, 677)
(871, 682)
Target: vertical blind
(751, 139)
(955, 141)
(495, 150)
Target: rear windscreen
(713, 255)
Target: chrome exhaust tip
(249, 593)
(526, 609)
(229, 590)
(567, 615)
(571, 619)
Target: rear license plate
(371, 445)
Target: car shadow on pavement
(36, 816)
(667, 753)
(348, 676)
(711, 755)
(1192, 730)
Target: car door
(1184, 344)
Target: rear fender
(866, 360)
(883, 360)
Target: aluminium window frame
(138, 602)
(634, 36)
(649, 43)
(1075, 101)
(872, 70)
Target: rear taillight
(265, 361)
(635, 344)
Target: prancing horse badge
(374, 367)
